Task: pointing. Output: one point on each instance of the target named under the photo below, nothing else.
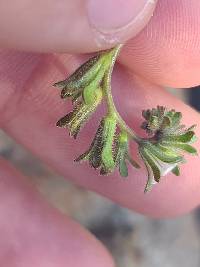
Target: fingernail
(110, 16)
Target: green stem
(112, 110)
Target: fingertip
(35, 234)
(166, 52)
(71, 26)
(114, 22)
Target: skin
(165, 53)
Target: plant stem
(112, 110)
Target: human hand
(166, 53)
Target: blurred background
(133, 240)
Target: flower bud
(159, 121)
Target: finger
(71, 25)
(31, 115)
(35, 234)
(167, 51)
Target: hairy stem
(112, 110)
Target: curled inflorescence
(167, 139)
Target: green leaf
(82, 76)
(95, 84)
(123, 168)
(176, 118)
(193, 140)
(76, 119)
(93, 154)
(83, 157)
(150, 180)
(121, 154)
(192, 127)
(146, 114)
(183, 138)
(63, 122)
(97, 147)
(109, 130)
(163, 153)
(161, 111)
(176, 171)
(185, 147)
(150, 161)
(166, 122)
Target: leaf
(183, 138)
(83, 157)
(109, 130)
(150, 181)
(63, 122)
(76, 119)
(176, 118)
(176, 171)
(165, 123)
(150, 161)
(163, 153)
(82, 76)
(192, 127)
(93, 154)
(161, 111)
(97, 147)
(185, 147)
(146, 114)
(123, 168)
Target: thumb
(71, 25)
